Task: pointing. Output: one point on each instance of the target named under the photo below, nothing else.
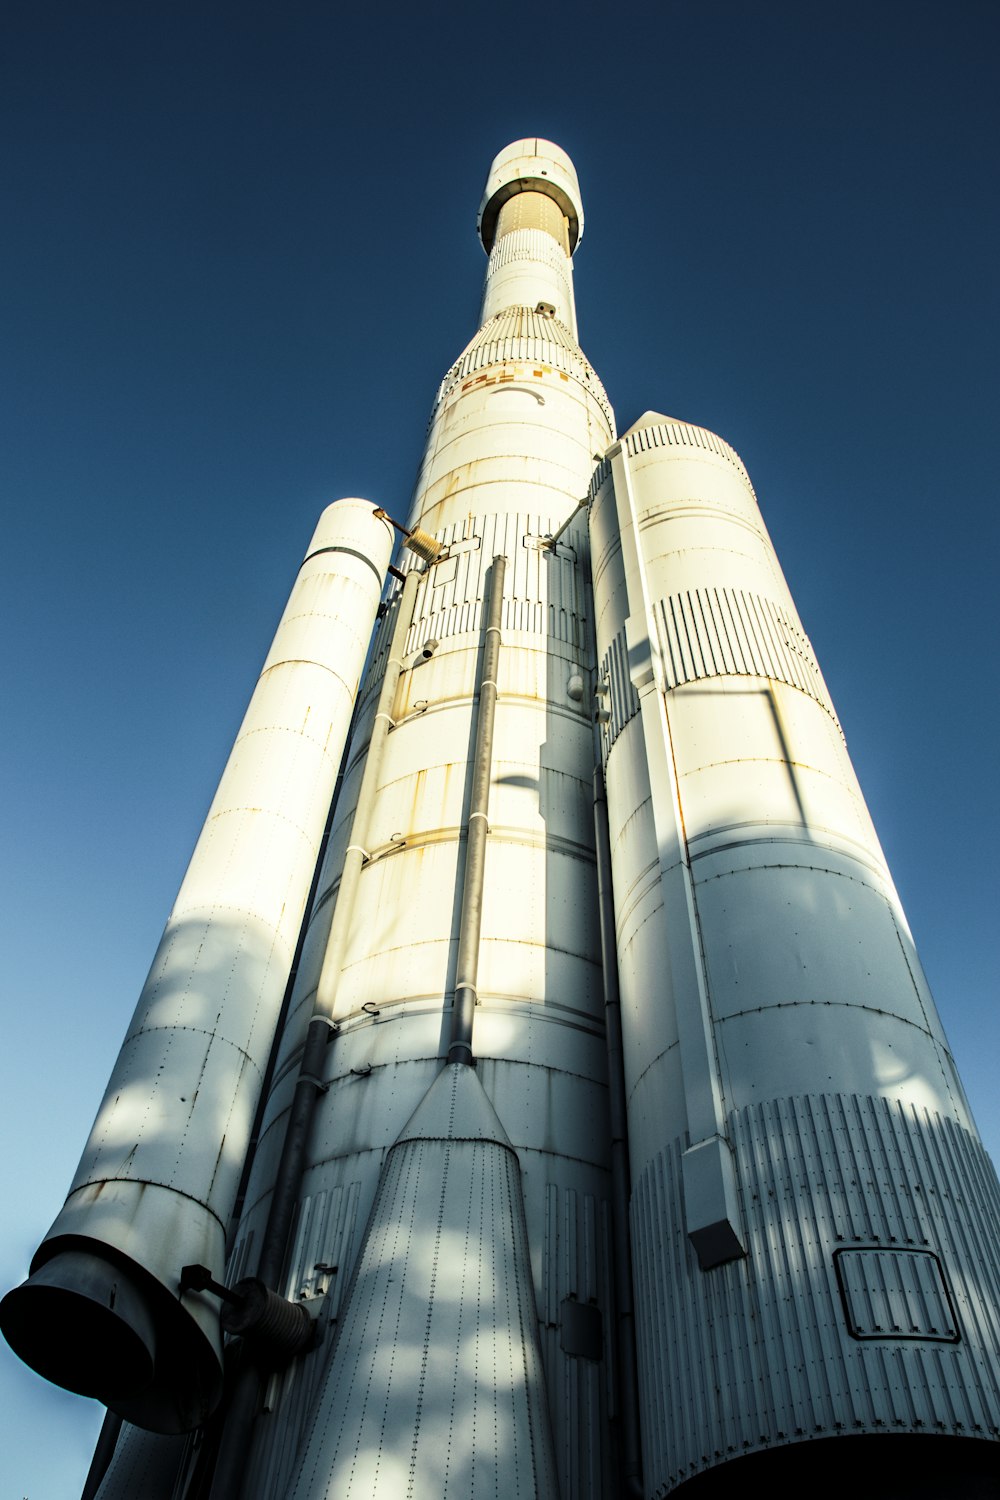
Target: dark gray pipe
(621, 1187)
(470, 924)
(245, 1394)
(289, 1175)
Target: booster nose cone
(531, 166)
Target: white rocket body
(157, 1182)
(814, 1224)
(799, 1138)
(509, 456)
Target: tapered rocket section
(435, 1385)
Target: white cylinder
(782, 1050)
(532, 166)
(157, 1181)
(509, 455)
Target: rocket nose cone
(81, 1323)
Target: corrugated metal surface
(820, 1174)
(325, 1240)
(576, 1272)
(716, 633)
(519, 335)
(528, 244)
(685, 435)
(543, 593)
(621, 701)
(712, 632)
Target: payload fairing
(565, 1113)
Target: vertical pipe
(471, 921)
(621, 1187)
(289, 1174)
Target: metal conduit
(471, 921)
(628, 1390)
(235, 1443)
(309, 1082)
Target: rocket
(536, 1090)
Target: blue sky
(238, 254)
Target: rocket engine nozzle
(84, 1324)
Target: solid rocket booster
(813, 1231)
(155, 1188)
(814, 1218)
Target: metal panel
(523, 339)
(813, 993)
(820, 1174)
(435, 1386)
(509, 455)
(144, 1463)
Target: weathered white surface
(434, 1388)
(509, 455)
(824, 1069)
(158, 1177)
(532, 165)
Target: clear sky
(238, 253)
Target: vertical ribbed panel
(719, 632)
(761, 1352)
(520, 335)
(530, 245)
(323, 1240)
(542, 587)
(323, 1235)
(574, 1272)
(435, 1387)
(622, 701)
(239, 1262)
(683, 435)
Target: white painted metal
(157, 1181)
(536, 166)
(815, 1224)
(531, 220)
(436, 1387)
(775, 1015)
(510, 453)
(144, 1464)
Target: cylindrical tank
(509, 456)
(102, 1312)
(815, 1222)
